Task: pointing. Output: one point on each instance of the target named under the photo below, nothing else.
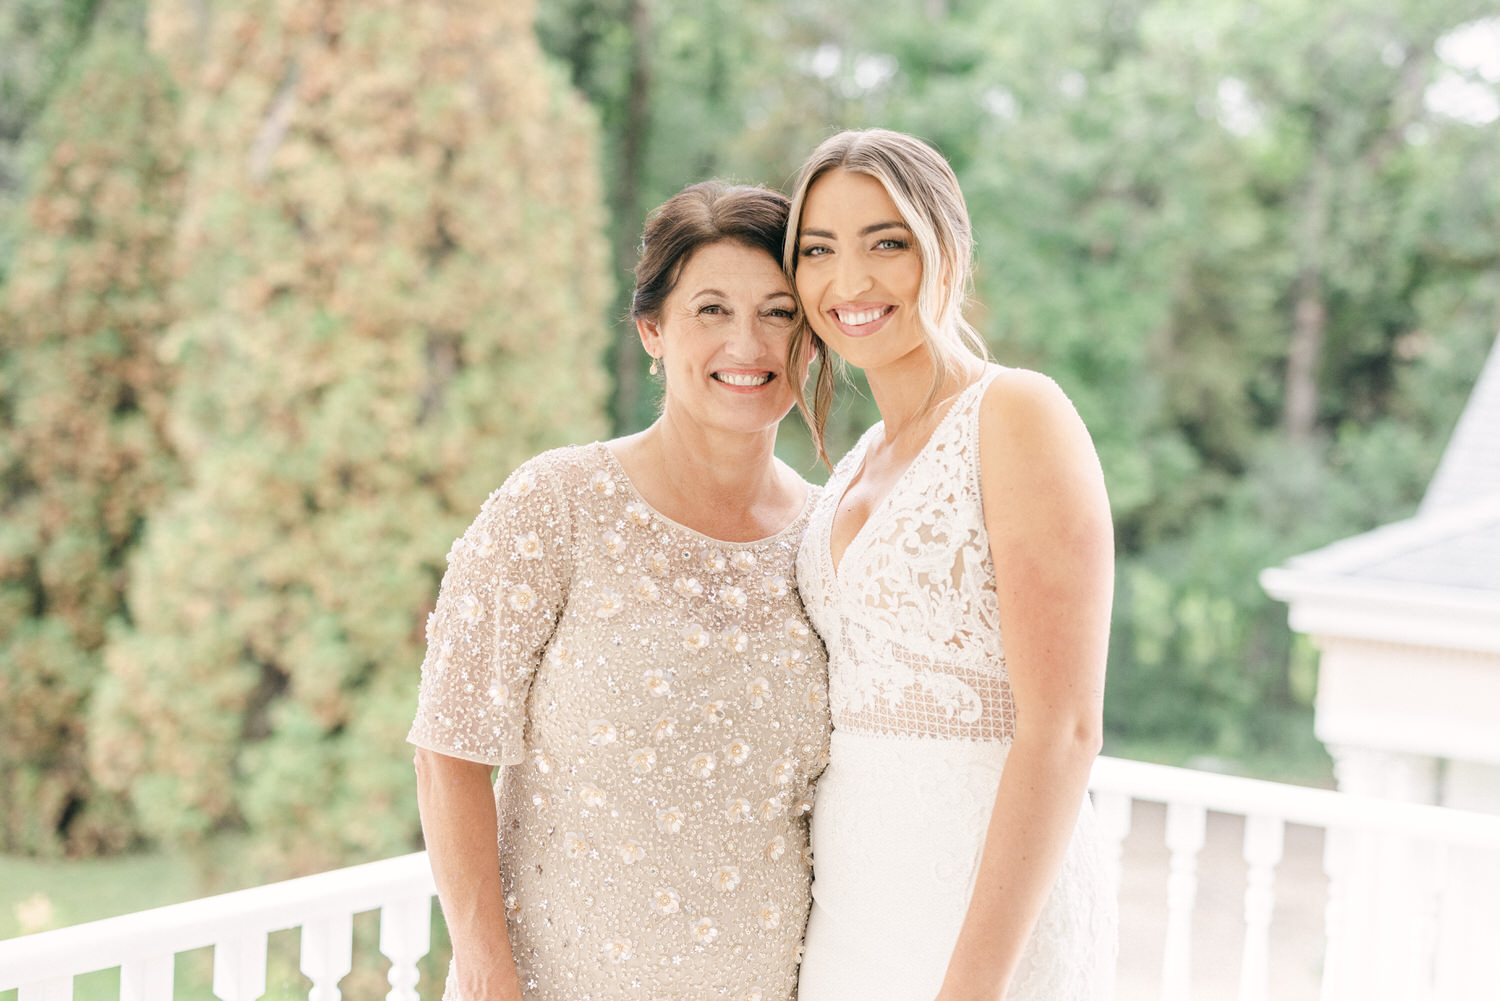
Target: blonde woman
(959, 568)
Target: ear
(650, 334)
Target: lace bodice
(923, 719)
(909, 616)
(661, 701)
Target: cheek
(810, 295)
(913, 279)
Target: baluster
(52, 990)
(1186, 827)
(405, 937)
(240, 968)
(1481, 890)
(1392, 908)
(147, 979)
(327, 955)
(1456, 938)
(1467, 962)
(1427, 865)
(1337, 954)
(1113, 810)
(1264, 843)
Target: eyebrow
(725, 295)
(872, 228)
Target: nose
(850, 277)
(745, 336)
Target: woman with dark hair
(959, 568)
(619, 634)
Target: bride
(955, 852)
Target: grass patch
(41, 894)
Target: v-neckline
(835, 562)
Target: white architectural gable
(1470, 467)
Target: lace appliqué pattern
(923, 721)
(910, 616)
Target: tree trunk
(1299, 415)
(627, 364)
(1309, 323)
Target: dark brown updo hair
(698, 215)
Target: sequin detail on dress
(660, 702)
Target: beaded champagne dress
(923, 718)
(659, 703)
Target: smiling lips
(859, 320)
(745, 379)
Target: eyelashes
(779, 313)
(886, 243)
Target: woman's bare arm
(1048, 520)
(457, 805)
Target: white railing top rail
(259, 910)
(1295, 804)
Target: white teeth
(736, 379)
(860, 317)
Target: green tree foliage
(1224, 229)
(685, 90)
(38, 40)
(1243, 238)
(391, 290)
(1248, 241)
(83, 407)
(1140, 177)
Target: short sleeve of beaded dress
(498, 605)
(662, 700)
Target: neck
(903, 390)
(703, 465)
(726, 485)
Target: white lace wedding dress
(923, 718)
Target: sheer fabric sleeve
(500, 599)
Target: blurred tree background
(85, 458)
(289, 286)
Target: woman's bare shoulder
(1021, 405)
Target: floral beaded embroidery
(669, 700)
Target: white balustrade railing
(1438, 869)
(237, 926)
(1413, 890)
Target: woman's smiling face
(859, 270)
(722, 337)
